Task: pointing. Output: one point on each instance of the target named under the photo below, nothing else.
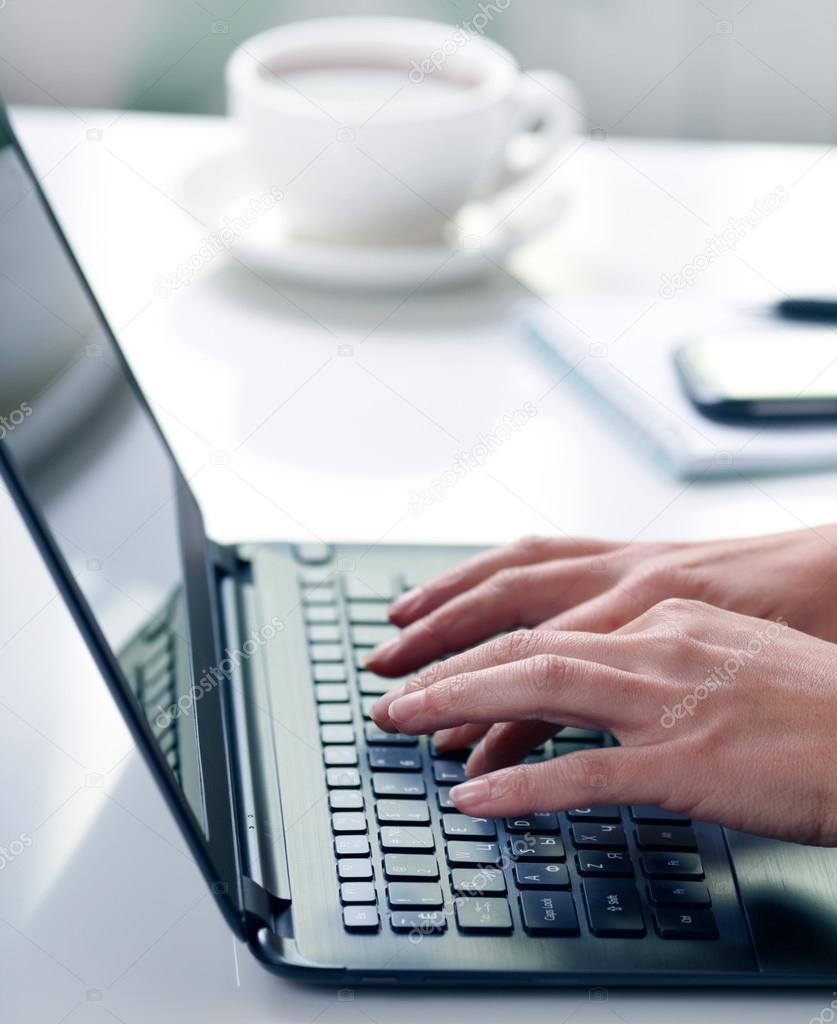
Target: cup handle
(549, 113)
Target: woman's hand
(719, 716)
(598, 586)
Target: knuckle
(544, 672)
(586, 774)
(519, 644)
(516, 782)
(510, 581)
(442, 697)
(533, 544)
(426, 678)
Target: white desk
(103, 915)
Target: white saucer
(221, 187)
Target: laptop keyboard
(406, 860)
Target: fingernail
(470, 793)
(383, 650)
(406, 602)
(406, 707)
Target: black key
(604, 862)
(323, 633)
(672, 865)
(462, 826)
(397, 837)
(394, 760)
(541, 876)
(540, 821)
(345, 800)
(330, 674)
(340, 756)
(488, 916)
(402, 812)
(372, 635)
(355, 870)
(362, 613)
(478, 881)
(423, 922)
(361, 918)
(369, 585)
(415, 867)
(445, 802)
(450, 755)
(549, 913)
(320, 613)
(665, 837)
(331, 693)
(342, 778)
(348, 821)
(536, 848)
(351, 846)
(685, 924)
(332, 653)
(395, 784)
(376, 735)
(334, 714)
(357, 892)
(603, 812)
(613, 907)
(337, 734)
(593, 835)
(651, 815)
(375, 686)
(414, 894)
(465, 853)
(679, 894)
(449, 773)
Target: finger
(603, 613)
(522, 596)
(507, 743)
(611, 775)
(548, 687)
(460, 737)
(616, 650)
(627, 599)
(526, 551)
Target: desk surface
(300, 414)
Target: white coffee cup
(378, 130)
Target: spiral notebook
(618, 352)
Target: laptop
(333, 849)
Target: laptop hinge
(267, 891)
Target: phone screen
(749, 366)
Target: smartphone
(781, 375)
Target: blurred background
(744, 69)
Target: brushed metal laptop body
(334, 853)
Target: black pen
(819, 310)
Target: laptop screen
(92, 462)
